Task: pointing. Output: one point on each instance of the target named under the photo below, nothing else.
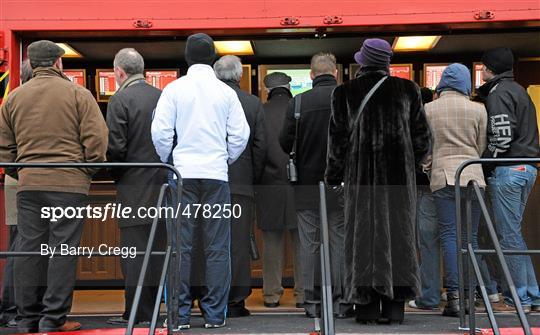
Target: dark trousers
(216, 243)
(8, 308)
(44, 286)
(240, 256)
(309, 229)
(137, 236)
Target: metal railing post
(461, 281)
(327, 307)
(144, 268)
(171, 305)
(468, 207)
(499, 252)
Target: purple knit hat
(374, 52)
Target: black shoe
(237, 312)
(345, 315)
(393, 311)
(121, 321)
(369, 313)
(271, 304)
(452, 305)
(118, 320)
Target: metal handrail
(171, 230)
(469, 250)
(327, 307)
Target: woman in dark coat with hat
(376, 159)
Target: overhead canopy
(173, 14)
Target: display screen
(161, 78)
(402, 71)
(477, 75)
(76, 76)
(300, 79)
(433, 74)
(106, 84)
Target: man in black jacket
(129, 118)
(512, 133)
(311, 143)
(276, 214)
(243, 174)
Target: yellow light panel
(415, 43)
(238, 48)
(70, 52)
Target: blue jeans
(429, 245)
(510, 189)
(216, 239)
(446, 213)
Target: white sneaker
(180, 327)
(210, 325)
(412, 304)
(494, 298)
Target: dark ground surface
(415, 323)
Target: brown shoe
(505, 308)
(70, 326)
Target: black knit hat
(42, 53)
(200, 49)
(498, 60)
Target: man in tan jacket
(49, 119)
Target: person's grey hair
(323, 63)
(228, 68)
(43, 63)
(26, 71)
(129, 60)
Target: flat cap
(44, 51)
(276, 79)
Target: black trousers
(240, 256)
(137, 236)
(43, 285)
(8, 307)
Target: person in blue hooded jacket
(459, 133)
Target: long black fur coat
(376, 160)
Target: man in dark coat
(275, 198)
(129, 117)
(512, 132)
(376, 158)
(243, 174)
(315, 109)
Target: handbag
(292, 173)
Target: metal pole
(504, 265)
(472, 315)
(144, 268)
(155, 314)
(461, 282)
(487, 303)
(327, 307)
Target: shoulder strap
(366, 99)
(297, 105)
